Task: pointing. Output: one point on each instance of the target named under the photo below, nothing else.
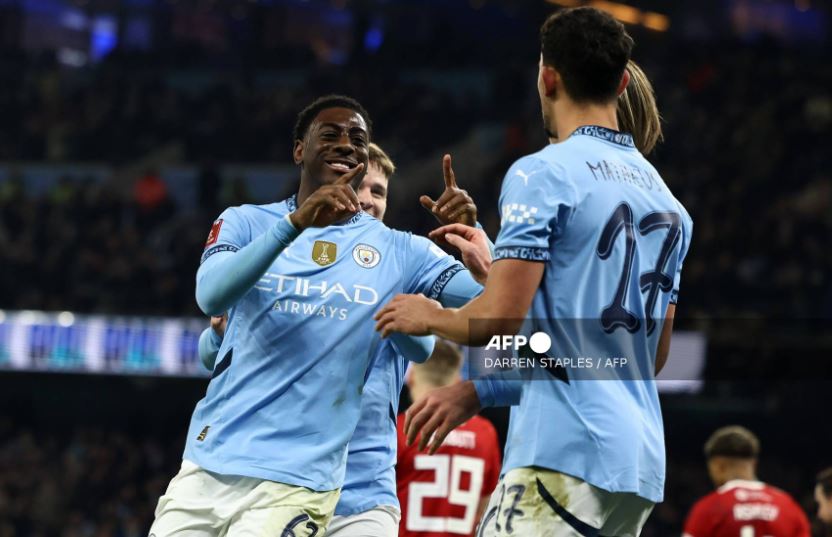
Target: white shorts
(380, 521)
(199, 503)
(533, 502)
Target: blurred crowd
(90, 483)
(746, 159)
(747, 130)
(117, 113)
(87, 248)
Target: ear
(550, 79)
(297, 152)
(625, 80)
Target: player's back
(747, 509)
(440, 494)
(613, 238)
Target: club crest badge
(366, 256)
(323, 253)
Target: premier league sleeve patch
(214, 234)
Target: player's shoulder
(545, 163)
(708, 505)
(408, 240)
(254, 212)
(381, 228)
(778, 493)
(687, 221)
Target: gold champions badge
(323, 253)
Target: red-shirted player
(742, 506)
(444, 494)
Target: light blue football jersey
(286, 392)
(613, 238)
(371, 462)
(370, 478)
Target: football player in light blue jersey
(368, 506)
(266, 449)
(590, 251)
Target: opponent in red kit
(742, 506)
(444, 494)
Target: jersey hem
(364, 507)
(266, 475)
(647, 491)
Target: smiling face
(373, 191)
(336, 141)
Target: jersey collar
(292, 206)
(744, 483)
(617, 137)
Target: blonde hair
(382, 160)
(637, 110)
(441, 368)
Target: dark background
(127, 126)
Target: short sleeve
(429, 268)
(687, 233)
(535, 203)
(229, 233)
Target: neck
(743, 474)
(307, 187)
(569, 116)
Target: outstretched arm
(229, 273)
(472, 243)
(501, 307)
(224, 277)
(415, 348)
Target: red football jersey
(440, 493)
(747, 509)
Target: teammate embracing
(300, 280)
(368, 505)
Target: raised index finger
(350, 175)
(448, 172)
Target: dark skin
(454, 205)
(333, 156)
